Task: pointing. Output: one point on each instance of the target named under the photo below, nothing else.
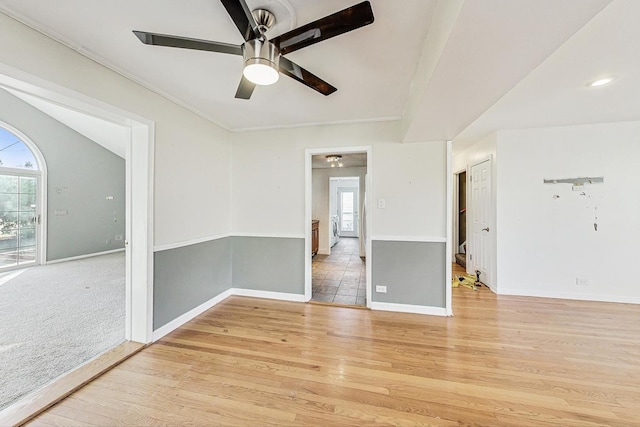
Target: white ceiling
(555, 93)
(449, 69)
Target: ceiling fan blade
(187, 43)
(330, 26)
(242, 17)
(245, 89)
(298, 73)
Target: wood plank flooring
(38, 401)
(499, 361)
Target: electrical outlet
(381, 289)
(119, 237)
(581, 281)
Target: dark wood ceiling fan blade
(330, 26)
(245, 89)
(187, 43)
(298, 73)
(241, 15)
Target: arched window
(20, 200)
(14, 153)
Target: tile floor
(340, 277)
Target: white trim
(425, 239)
(74, 258)
(183, 243)
(189, 315)
(449, 231)
(368, 227)
(308, 208)
(282, 296)
(537, 293)
(477, 162)
(409, 308)
(272, 235)
(340, 150)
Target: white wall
(464, 160)
(192, 155)
(321, 198)
(545, 243)
(268, 179)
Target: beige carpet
(56, 317)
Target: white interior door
(480, 254)
(348, 211)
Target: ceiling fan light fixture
(261, 60)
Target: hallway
(340, 278)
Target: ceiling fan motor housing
(258, 51)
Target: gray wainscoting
(413, 272)
(187, 277)
(269, 264)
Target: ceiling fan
(263, 58)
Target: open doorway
(338, 212)
(460, 235)
(71, 278)
(135, 136)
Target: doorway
(460, 235)
(337, 184)
(138, 139)
(347, 208)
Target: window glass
(14, 153)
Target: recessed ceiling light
(601, 82)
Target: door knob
(485, 229)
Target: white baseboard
(569, 295)
(74, 258)
(323, 251)
(268, 295)
(189, 315)
(179, 321)
(409, 308)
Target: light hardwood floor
(499, 361)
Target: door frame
(492, 222)
(456, 208)
(308, 206)
(139, 171)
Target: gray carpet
(54, 318)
